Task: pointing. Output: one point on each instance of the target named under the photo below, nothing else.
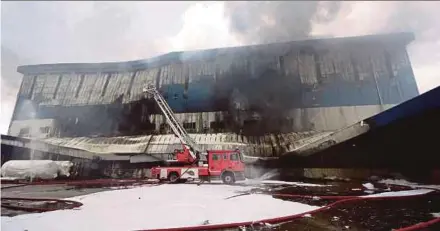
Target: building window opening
(24, 132)
(45, 130)
(190, 126)
(217, 125)
(164, 128)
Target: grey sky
(51, 32)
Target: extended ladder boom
(177, 128)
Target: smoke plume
(268, 22)
(419, 17)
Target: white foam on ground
(401, 193)
(293, 183)
(369, 186)
(10, 178)
(163, 206)
(407, 183)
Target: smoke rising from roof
(268, 22)
(421, 18)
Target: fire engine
(191, 163)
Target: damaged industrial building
(265, 100)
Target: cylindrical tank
(38, 169)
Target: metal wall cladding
(328, 76)
(162, 145)
(201, 120)
(304, 119)
(34, 128)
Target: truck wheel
(173, 176)
(228, 178)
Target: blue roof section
(182, 56)
(427, 101)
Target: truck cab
(228, 165)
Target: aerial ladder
(187, 142)
(224, 164)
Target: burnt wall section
(255, 88)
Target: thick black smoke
(272, 21)
(270, 94)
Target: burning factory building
(263, 99)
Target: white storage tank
(37, 169)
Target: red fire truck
(191, 163)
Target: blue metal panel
(199, 96)
(427, 101)
(407, 83)
(174, 96)
(344, 93)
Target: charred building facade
(266, 100)
(312, 85)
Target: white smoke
(421, 18)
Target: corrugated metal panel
(332, 118)
(141, 78)
(111, 88)
(202, 119)
(49, 88)
(172, 74)
(38, 87)
(307, 69)
(224, 64)
(96, 93)
(46, 147)
(346, 84)
(291, 64)
(72, 87)
(87, 88)
(304, 119)
(62, 88)
(103, 145)
(26, 85)
(159, 144)
(34, 127)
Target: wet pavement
(375, 215)
(372, 215)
